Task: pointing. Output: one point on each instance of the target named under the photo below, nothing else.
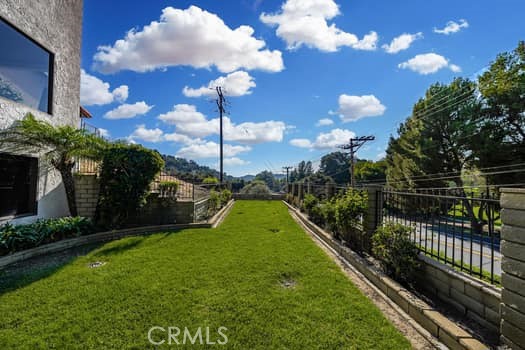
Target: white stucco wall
(56, 25)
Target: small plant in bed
(15, 238)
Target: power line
(353, 146)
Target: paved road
(450, 243)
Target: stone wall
(513, 266)
(57, 26)
(86, 193)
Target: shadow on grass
(32, 270)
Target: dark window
(18, 184)
(25, 69)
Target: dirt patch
(274, 230)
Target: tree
(367, 170)
(500, 139)
(60, 145)
(268, 178)
(436, 138)
(336, 165)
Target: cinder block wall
(86, 192)
(475, 299)
(513, 266)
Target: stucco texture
(56, 25)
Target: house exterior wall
(57, 26)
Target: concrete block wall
(86, 192)
(472, 298)
(513, 266)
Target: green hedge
(14, 238)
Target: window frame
(51, 68)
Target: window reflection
(24, 69)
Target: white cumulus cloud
(324, 122)
(301, 22)
(352, 108)
(192, 37)
(234, 84)
(428, 63)
(94, 91)
(128, 111)
(210, 149)
(401, 42)
(325, 140)
(142, 133)
(452, 27)
(302, 143)
(188, 121)
(235, 161)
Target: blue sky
(286, 65)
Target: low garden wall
(157, 211)
(472, 298)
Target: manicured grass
(231, 276)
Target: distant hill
(190, 170)
(247, 177)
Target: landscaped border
(429, 318)
(110, 236)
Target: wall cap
(513, 190)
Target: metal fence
(186, 191)
(459, 230)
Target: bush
(256, 187)
(396, 251)
(309, 202)
(328, 210)
(125, 177)
(214, 202)
(225, 196)
(168, 188)
(349, 211)
(210, 181)
(15, 238)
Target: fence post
(375, 205)
(329, 189)
(512, 249)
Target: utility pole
(287, 168)
(353, 146)
(220, 104)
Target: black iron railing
(459, 230)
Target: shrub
(309, 202)
(214, 202)
(328, 210)
(210, 180)
(225, 196)
(125, 176)
(168, 188)
(15, 238)
(256, 187)
(396, 251)
(349, 211)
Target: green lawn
(232, 276)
